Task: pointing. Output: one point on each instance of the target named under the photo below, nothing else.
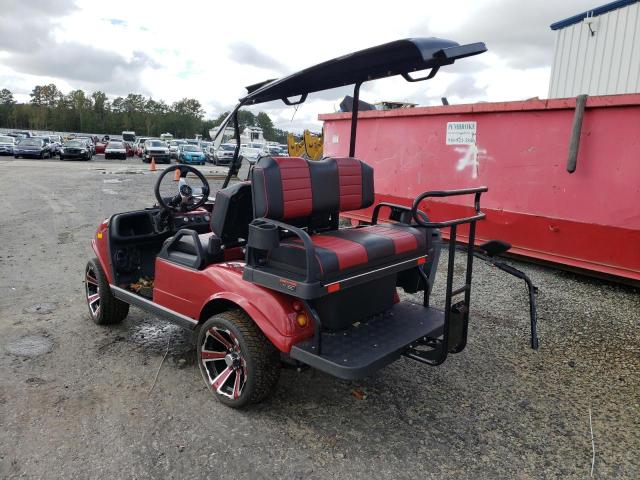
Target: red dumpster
(589, 219)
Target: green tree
(264, 122)
(6, 97)
(78, 111)
(7, 102)
(246, 119)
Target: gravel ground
(75, 399)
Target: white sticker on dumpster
(461, 133)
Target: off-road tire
(262, 358)
(111, 310)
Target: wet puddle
(153, 337)
(41, 308)
(30, 345)
(116, 180)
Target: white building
(597, 52)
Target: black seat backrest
(232, 213)
(292, 188)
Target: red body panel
(589, 219)
(100, 245)
(100, 147)
(188, 291)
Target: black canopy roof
(400, 57)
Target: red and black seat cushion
(289, 188)
(348, 250)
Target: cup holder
(263, 235)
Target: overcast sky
(210, 50)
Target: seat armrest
(311, 274)
(167, 247)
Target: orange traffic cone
(152, 167)
(176, 175)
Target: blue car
(191, 155)
(31, 147)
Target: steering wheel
(191, 192)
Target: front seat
(232, 213)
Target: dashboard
(195, 220)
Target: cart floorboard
(368, 346)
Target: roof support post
(354, 119)
(234, 166)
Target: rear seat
(348, 250)
(311, 194)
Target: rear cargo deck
(366, 347)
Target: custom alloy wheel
(104, 308)
(238, 363)
(92, 290)
(223, 362)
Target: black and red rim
(223, 362)
(92, 290)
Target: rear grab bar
(478, 191)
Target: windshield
(228, 147)
(157, 143)
(114, 145)
(74, 143)
(6, 139)
(31, 142)
(255, 145)
(190, 148)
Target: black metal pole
(234, 167)
(354, 119)
(447, 302)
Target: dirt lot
(75, 398)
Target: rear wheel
(104, 308)
(238, 363)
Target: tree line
(77, 111)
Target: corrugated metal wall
(606, 63)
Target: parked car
(156, 149)
(56, 143)
(75, 149)
(23, 133)
(138, 146)
(49, 146)
(174, 146)
(90, 143)
(209, 154)
(101, 146)
(190, 154)
(224, 154)
(31, 147)
(253, 151)
(115, 150)
(129, 148)
(6, 144)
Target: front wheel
(238, 363)
(104, 308)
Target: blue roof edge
(594, 12)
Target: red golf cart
(264, 273)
